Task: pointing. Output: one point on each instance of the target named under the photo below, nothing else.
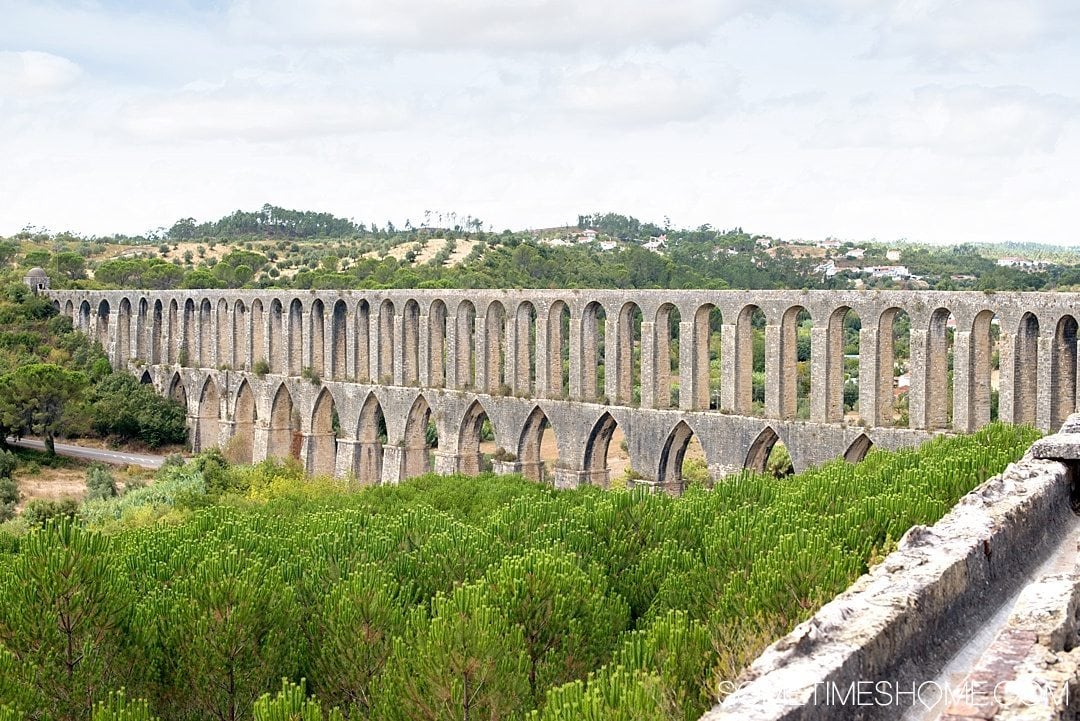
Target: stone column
(919, 396)
(870, 377)
(826, 376)
(393, 465)
(398, 360)
(661, 356)
(963, 382)
(447, 463)
(649, 379)
(453, 380)
(1007, 377)
(480, 354)
(774, 371)
(260, 444)
(614, 369)
(689, 385)
(345, 460)
(543, 362)
(374, 346)
(566, 478)
(423, 352)
(729, 376)
(1044, 398)
(576, 360)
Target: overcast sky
(932, 120)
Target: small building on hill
(37, 280)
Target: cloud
(630, 94)
(484, 25)
(967, 120)
(225, 113)
(31, 73)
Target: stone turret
(37, 280)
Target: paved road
(115, 458)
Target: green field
(445, 597)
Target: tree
(34, 397)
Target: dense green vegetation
(53, 381)
(277, 247)
(444, 597)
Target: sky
(927, 120)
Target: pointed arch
(670, 474)
(471, 460)
(627, 364)
(206, 335)
(595, 464)
(793, 376)
(858, 449)
(277, 338)
(362, 342)
(410, 345)
(316, 334)
(530, 445)
(1026, 370)
(173, 337)
(284, 437)
(592, 367)
(225, 337)
(145, 378)
(322, 441)
(985, 359)
(558, 350)
(295, 352)
(666, 356)
(371, 434)
(241, 447)
(123, 334)
(208, 427)
(525, 365)
(417, 460)
(841, 363)
(708, 322)
(1063, 373)
(386, 343)
(939, 378)
(339, 341)
(494, 343)
(745, 362)
(142, 330)
(241, 337)
(465, 340)
(84, 317)
(156, 323)
(437, 345)
(760, 449)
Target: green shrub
(99, 482)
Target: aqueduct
(350, 381)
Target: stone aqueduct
(348, 381)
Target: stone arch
(984, 331)
(494, 342)
(938, 384)
(295, 353)
(1026, 370)
(437, 350)
(592, 362)
(69, 309)
(670, 474)
(177, 391)
(146, 379)
(371, 435)
(529, 450)
(84, 317)
(1063, 373)
(470, 459)
(277, 359)
(386, 343)
(284, 438)
(339, 341)
(156, 321)
(708, 321)
(793, 366)
(187, 355)
(123, 333)
(595, 466)
(745, 361)
(173, 337)
(206, 335)
(258, 334)
(142, 331)
(666, 367)
(465, 328)
(892, 366)
(241, 341)
(627, 366)
(208, 427)
(758, 455)
(226, 335)
(525, 361)
(317, 339)
(410, 343)
(841, 368)
(241, 447)
(558, 350)
(362, 342)
(858, 449)
(417, 460)
(101, 331)
(322, 441)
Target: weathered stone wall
(898, 624)
(506, 350)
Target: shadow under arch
(241, 447)
(417, 461)
(284, 432)
(470, 459)
(177, 391)
(672, 457)
(145, 378)
(529, 447)
(758, 455)
(208, 429)
(858, 449)
(371, 435)
(322, 443)
(595, 466)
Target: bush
(99, 482)
(38, 511)
(123, 407)
(9, 497)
